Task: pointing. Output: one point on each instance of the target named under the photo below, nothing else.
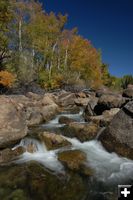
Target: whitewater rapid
(108, 167)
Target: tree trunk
(33, 54)
(20, 36)
(51, 63)
(66, 57)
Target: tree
(85, 60)
(126, 80)
(105, 74)
(5, 17)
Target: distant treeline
(35, 46)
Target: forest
(35, 46)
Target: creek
(109, 168)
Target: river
(109, 168)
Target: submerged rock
(31, 148)
(13, 125)
(118, 137)
(72, 158)
(81, 131)
(75, 160)
(65, 120)
(8, 155)
(53, 141)
(32, 181)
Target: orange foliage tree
(6, 78)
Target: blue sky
(107, 23)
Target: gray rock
(108, 101)
(13, 125)
(128, 92)
(118, 137)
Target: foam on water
(42, 155)
(108, 166)
(55, 122)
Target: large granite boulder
(108, 101)
(102, 91)
(118, 137)
(13, 125)
(105, 118)
(38, 108)
(128, 92)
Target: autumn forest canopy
(36, 47)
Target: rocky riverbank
(61, 131)
(101, 109)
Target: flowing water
(109, 169)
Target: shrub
(126, 80)
(6, 79)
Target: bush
(6, 79)
(54, 82)
(126, 80)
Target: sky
(108, 24)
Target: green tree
(126, 80)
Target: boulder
(81, 101)
(108, 101)
(129, 107)
(48, 108)
(21, 99)
(118, 137)
(128, 92)
(48, 99)
(31, 148)
(81, 95)
(41, 110)
(83, 132)
(13, 125)
(105, 118)
(49, 111)
(34, 96)
(89, 110)
(53, 141)
(65, 120)
(32, 181)
(8, 155)
(75, 160)
(66, 99)
(102, 91)
(34, 116)
(130, 86)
